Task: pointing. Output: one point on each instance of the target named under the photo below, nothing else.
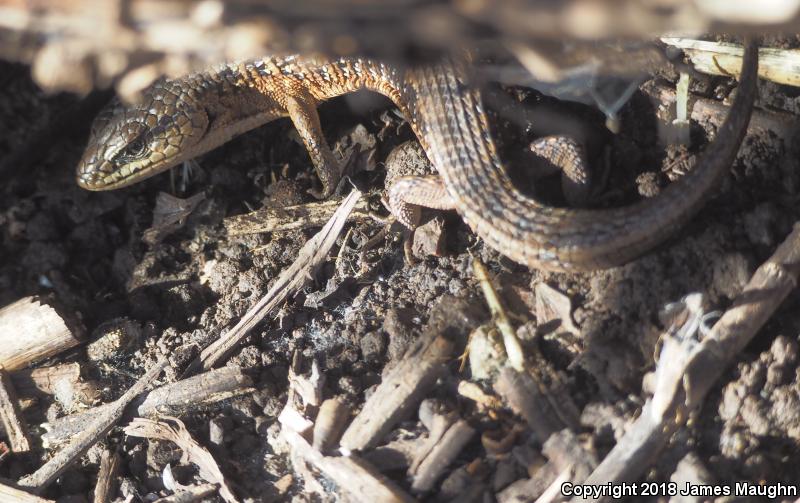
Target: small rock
(113, 339)
(486, 358)
(759, 224)
(373, 346)
(429, 238)
(216, 432)
(647, 184)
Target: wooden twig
(401, 390)
(8, 493)
(301, 216)
(719, 58)
(107, 477)
(406, 384)
(544, 413)
(353, 475)
(691, 368)
(714, 112)
(442, 454)
(32, 330)
(311, 256)
(516, 357)
(176, 398)
(11, 415)
(44, 476)
(329, 424)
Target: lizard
(182, 118)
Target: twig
(301, 216)
(398, 394)
(308, 259)
(693, 367)
(719, 58)
(107, 477)
(176, 398)
(514, 352)
(442, 454)
(714, 112)
(352, 474)
(529, 398)
(44, 476)
(329, 424)
(11, 415)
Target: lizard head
(130, 143)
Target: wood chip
(169, 215)
(554, 306)
(32, 330)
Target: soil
(86, 251)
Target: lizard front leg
(304, 116)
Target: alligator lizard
(180, 119)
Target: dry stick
(330, 423)
(301, 216)
(176, 398)
(400, 391)
(720, 58)
(443, 453)
(15, 426)
(31, 330)
(107, 477)
(361, 481)
(44, 476)
(514, 353)
(701, 364)
(714, 112)
(8, 493)
(535, 403)
(311, 256)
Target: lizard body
(186, 117)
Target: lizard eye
(133, 151)
(135, 148)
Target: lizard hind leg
(566, 155)
(304, 116)
(408, 194)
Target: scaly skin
(183, 118)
